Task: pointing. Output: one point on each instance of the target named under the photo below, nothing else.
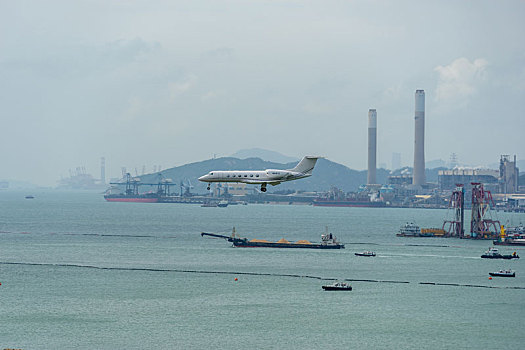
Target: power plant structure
(372, 146)
(418, 177)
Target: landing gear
(208, 188)
(263, 188)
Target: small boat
(30, 197)
(493, 253)
(223, 204)
(409, 230)
(338, 286)
(503, 273)
(366, 253)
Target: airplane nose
(202, 178)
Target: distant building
(231, 188)
(80, 180)
(508, 175)
(405, 179)
(396, 161)
(447, 179)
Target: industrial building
(447, 179)
(504, 180)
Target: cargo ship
(337, 198)
(350, 202)
(328, 241)
(140, 198)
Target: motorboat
(493, 253)
(503, 273)
(223, 204)
(366, 253)
(338, 286)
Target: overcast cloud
(171, 82)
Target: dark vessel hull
(336, 288)
(139, 199)
(507, 257)
(247, 244)
(346, 203)
(497, 274)
(360, 254)
(510, 242)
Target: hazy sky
(171, 82)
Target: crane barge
(328, 241)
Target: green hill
(325, 174)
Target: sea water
(81, 273)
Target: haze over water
(78, 272)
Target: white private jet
(263, 177)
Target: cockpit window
(211, 173)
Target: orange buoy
(236, 278)
(490, 278)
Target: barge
(328, 241)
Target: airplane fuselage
(269, 176)
(263, 177)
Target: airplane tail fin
(306, 165)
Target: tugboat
(493, 253)
(338, 286)
(503, 273)
(366, 253)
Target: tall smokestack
(372, 146)
(418, 177)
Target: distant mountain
(325, 174)
(264, 154)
